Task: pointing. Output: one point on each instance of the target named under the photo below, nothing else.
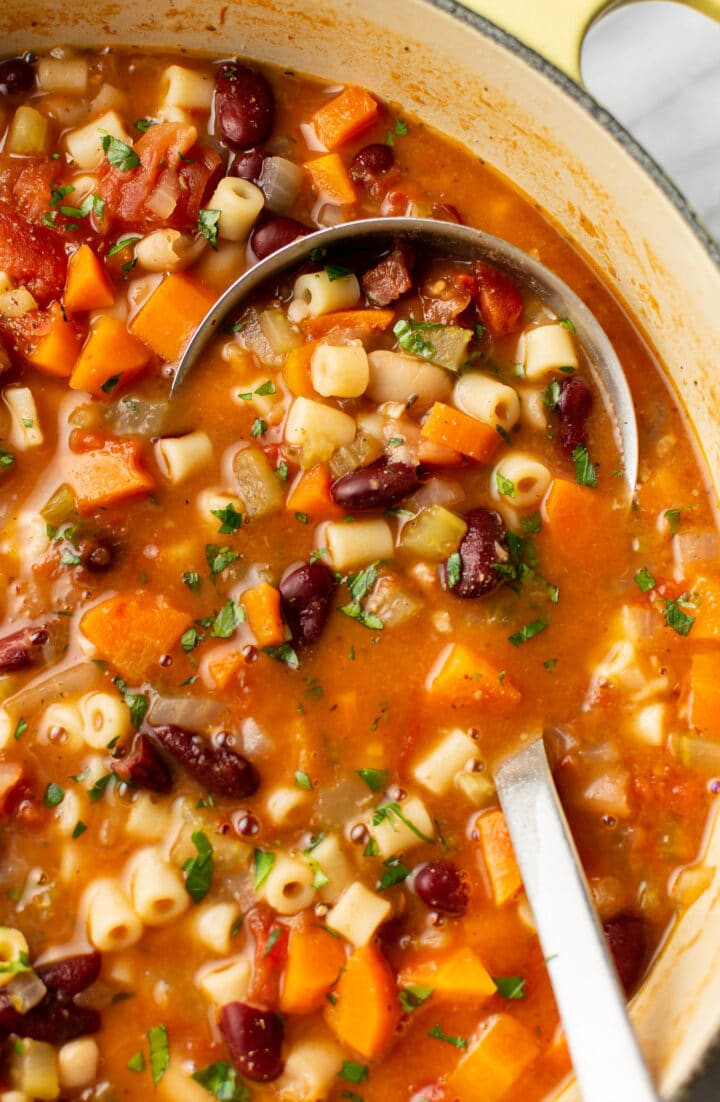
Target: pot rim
(590, 105)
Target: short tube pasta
(214, 926)
(180, 457)
(437, 770)
(358, 913)
(318, 293)
(488, 399)
(395, 377)
(363, 541)
(167, 250)
(340, 370)
(62, 723)
(63, 74)
(105, 717)
(148, 818)
(188, 89)
(112, 923)
(239, 203)
(549, 348)
(225, 983)
(401, 826)
(285, 802)
(25, 431)
(85, 143)
(520, 480)
(288, 887)
(311, 1067)
(157, 889)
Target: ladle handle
(605, 1053)
(555, 29)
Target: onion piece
(190, 712)
(436, 491)
(25, 991)
(280, 181)
(72, 680)
(690, 548)
(163, 199)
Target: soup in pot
(263, 646)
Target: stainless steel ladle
(608, 1063)
(443, 239)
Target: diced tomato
(168, 185)
(271, 943)
(24, 334)
(671, 788)
(33, 256)
(32, 189)
(498, 298)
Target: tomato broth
(264, 645)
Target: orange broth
(133, 569)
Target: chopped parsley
(136, 702)
(159, 1052)
(675, 615)
(230, 519)
(354, 1073)
(219, 558)
(222, 1081)
(208, 222)
(438, 1034)
(527, 632)
(119, 154)
(302, 780)
(123, 244)
(337, 271)
(136, 1062)
(6, 459)
(227, 619)
(20, 729)
(97, 791)
(410, 337)
(281, 471)
(191, 578)
(263, 862)
(79, 828)
(143, 125)
(531, 524)
(190, 639)
(644, 580)
(395, 873)
(413, 995)
(198, 870)
(54, 795)
(109, 385)
(284, 653)
(375, 779)
(674, 517)
(453, 569)
(505, 486)
(13, 967)
(510, 987)
(585, 473)
(70, 558)
(259, 428)
(360, 585)
(503, 433)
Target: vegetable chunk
(133, 630)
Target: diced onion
(690, 548)
(164, 197)
(25, 991)
(436, 491)
(185, 711)
(70, 681)
(280, 182)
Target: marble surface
(655, 66)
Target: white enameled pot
(486, 88)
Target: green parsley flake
(219, 558)
(375, 779)
(119, 154)
(97, 791)
(136, 702)
(337, 271)
(230, 519)
(675, 615)
(208, 224)
(284, 653)
(395, 873)
(198, 870)
(410, 337)
(263, 862)
(674, 517)
(227, 619)
(54, 795)
(413, 995)
(79, 828)
(457, 1042)
(222, 1081)
(6, 459)
(302, 780)
(123, 243)
(510, 987)
(504, 485)
(390, 812)
(644, 580)
(453, 569)
(585, 473)
(20, 729)
(191, 578)
(281, 471)
(159, 1052)
(190, 639)
(136, 1062)
(354, 1073)
(528, 632)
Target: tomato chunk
(33, 256)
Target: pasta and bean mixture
(264, 645)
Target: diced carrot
(462, 676)
(109, 353)
(707, 613)
(704, 700)
(314, 961)
(369, 321)
(132, 631)
(570, 519)
(224, 666)
(310, 493)
(106, 474)
(59, 346)
(330, 180)
(499, 1053)
(345, 116)
(87, 286)
(461, 975)
(461, 432)
(170, 316)
(264, 616)
(366, 1011)
(296, 370)
(499, 862)
(438, 455)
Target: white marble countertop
(656, 67)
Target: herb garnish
(527, 632)
(159, 1052)
(510, 987)
(644, 580)
(208, 223)
(585, 473)
(375, 779)
(198, 870)
(410, 337)
(457, 1042)
(222, 1081)
(263, 862)
(119, 154)
(230, 519)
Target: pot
(484, 87)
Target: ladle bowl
(449, 240)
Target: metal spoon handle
(605, 1053)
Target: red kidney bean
(274, 233)
(370, 162)
(248, 165)
(483, 544)
(376, 486)
(625, 937)
(19, 650)
(254, 1038)
(244, 106)
(16, 75)
(574, 405)
(217, 768)
(52, 1020)
(440, 885)
(143, 767)
(306, 594)
(71, 975)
